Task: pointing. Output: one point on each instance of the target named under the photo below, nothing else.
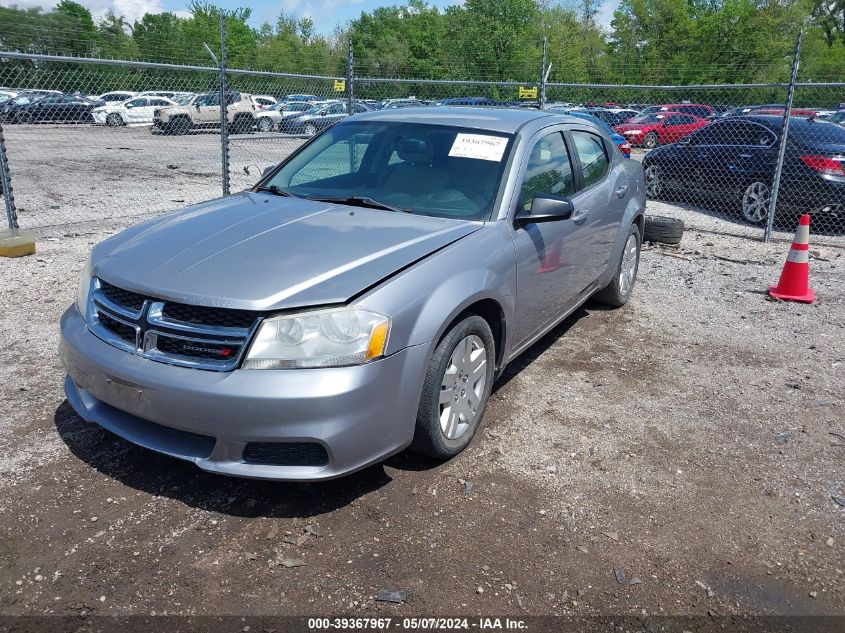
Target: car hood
(257, 251)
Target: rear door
(603, 191)
(676, 127)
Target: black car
(732, 161)
(320, 117)
(61, 108)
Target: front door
(548, 254)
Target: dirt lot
(687, 440)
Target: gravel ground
(687, 440)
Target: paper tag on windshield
(479, 146)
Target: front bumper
(99, 117)
(360, 415)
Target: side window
(549, 170)
(675, 119)
(335, 108)
(593, 157)
(202, 100)
(683, 119)
(140, 103)
(231, 97)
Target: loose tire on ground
(436, 401)
(664, 230)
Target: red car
(659, 128)
(701, 110)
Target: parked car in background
(263, 101)
(300, 97)
(116, 96)
(658, 128)
(168, 94)
(38, 92)
(321, 117)
(836, 117)
(620, 141)
(343, 310)
(59, 108)
(389, 104)
(135, 111)
(203, 112)
(273, 117)
(732, 161)
(614, 116)
(468, 101)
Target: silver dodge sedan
(362, 298)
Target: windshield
(648, 118)
(435, 170)
(183, 99)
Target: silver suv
(362, 298)
(203, 112)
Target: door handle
(745, 155)
(620, 193)
(580, 214)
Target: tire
(755, 202)
(24, 117)
(619, 290)
(114, 120)
(310, 129)
(179, 126)
(440, 431)
(264, 124)
(242, 125)
(651, 141)
(663, 230)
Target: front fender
(425, 299)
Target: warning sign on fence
(528, 92)
(340, 85)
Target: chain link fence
(90, 140)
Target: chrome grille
(170, 332)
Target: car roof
(506, 120)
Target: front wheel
(651, 141)
(114, 120)
(618, 291)
(310, 129)
(654, 186)
(456, 389)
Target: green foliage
(650, 42)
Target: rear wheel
(755, 202)
(456, 389)
(242, 125)
(618, 291)
(651, 141)
(179, 126)
(114, 120)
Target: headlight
(84, 289)
(322, 338)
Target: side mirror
(687, 141)
(197, 106)
(546, 208)
(323, 113)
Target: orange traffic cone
(794, 284)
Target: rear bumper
(359, 415)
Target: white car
(135, 111)
(115, 96)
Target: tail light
(824, 165)
(625, 148)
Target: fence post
(543, 73)
(224, 123)
(350, 78)
(787, 112)
(6, 183)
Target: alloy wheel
(628, 267)
(114, 120)
(310, 129)
(755, 202)
(650, 141)
(653, 181)
(265, 124)
(462, 387)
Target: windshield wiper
(275, 189)
(363, 201)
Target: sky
(325, 13)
